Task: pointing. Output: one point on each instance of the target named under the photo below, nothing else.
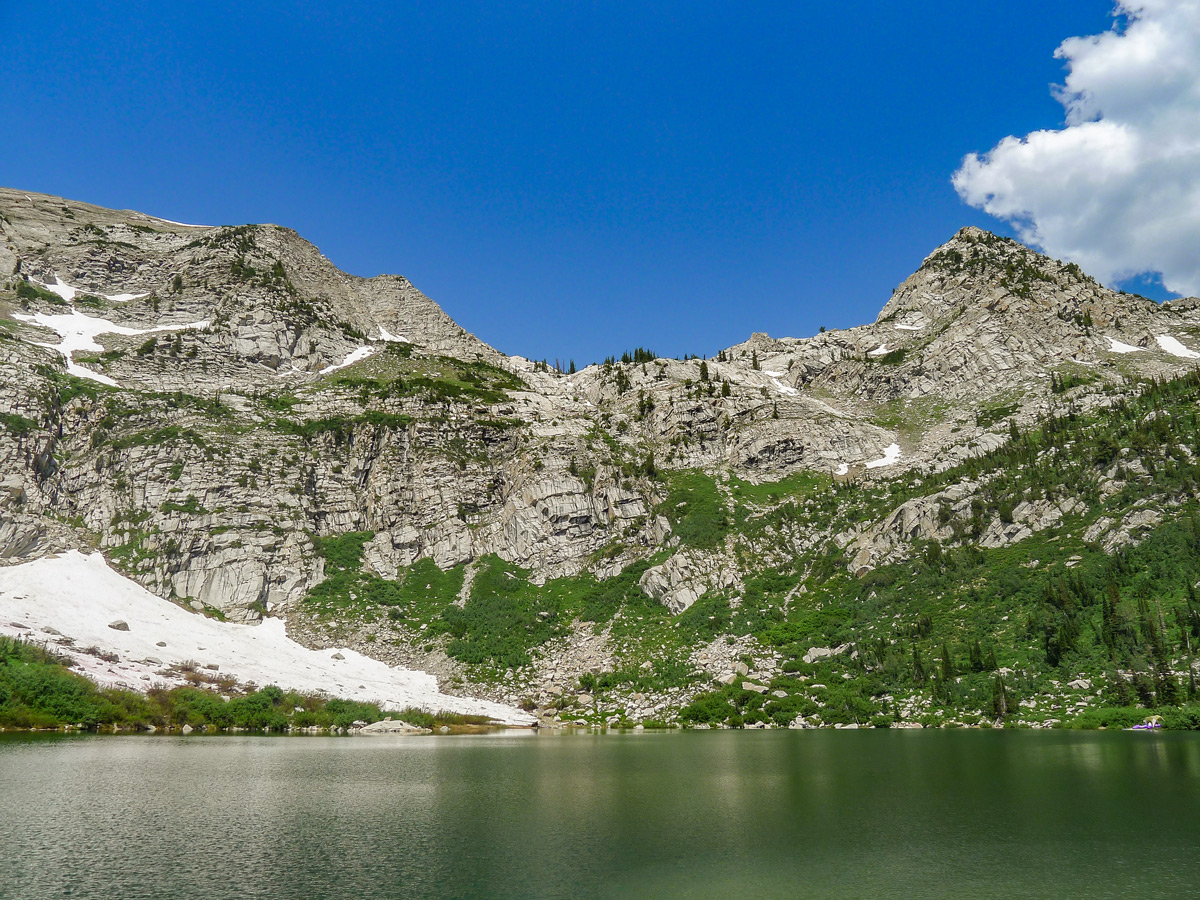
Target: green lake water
(831, 814)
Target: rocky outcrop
(687, 576)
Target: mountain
(889, 523)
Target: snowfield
(79, 596)
(881, 350)
(1116, 346)
(354, 356)
(78, 332)
(1175, 348)
(891, 454)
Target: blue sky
(567, 179)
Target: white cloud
(1116, 190)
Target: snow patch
(842, 469)
(891, 454)
(779, 385)
(879, 351)
(80, 595)
(69, 292)
(355, 356)
(1116, 346)
(1175, 348)
(180, 224)
(78, 332)
(910, 327)
(385, 335)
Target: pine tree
(703, 370)
(1000, 698)
(1118, 690)
(725, 388)
(976, 656)
(948, 671)
(571, 368)
(754, 361)
(919, 673)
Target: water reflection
(768, 814)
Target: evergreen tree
(976, 656)
(754, 361)
(919, 673)
(725, 388)
(1118, 692)
(1000, 699)
(703, 370)
(948, 671)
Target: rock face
(687, 576)
(206, 404)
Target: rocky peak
(271, 303)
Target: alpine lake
(699, 814)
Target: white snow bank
(355, 356)
(891, 454)
(842, 469)
(68, 292)
(180, 224)
(779, 385)
(385, 335)
(78, 332)
(1175, 348)
(79, 596)
(900, 327)
(878, 351)
(1116, 346)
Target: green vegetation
(152, 437)
(28, 292)
(342, 427)
(694, 507)
(191, 506)
(17, 424)
(423, 590)
(395, 374)
(798, 485)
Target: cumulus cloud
(1117, 189)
